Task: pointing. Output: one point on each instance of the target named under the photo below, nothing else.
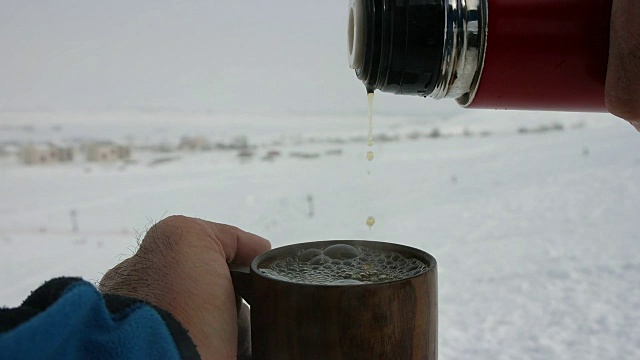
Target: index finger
(240, 247)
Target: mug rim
(431, 261)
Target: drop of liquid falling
(370, 222)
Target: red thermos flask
(492, 54)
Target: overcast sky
(225, 56)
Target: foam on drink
(343, 264)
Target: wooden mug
(393, 320)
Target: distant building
(236, 143)
(271, 155)
(10, 149)
(194, 143)
(162, 147)
(46, 153)
(334, 152)
(107, 152)
(303, 155)
(245, 154)
(239, 142)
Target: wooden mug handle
(241, 278)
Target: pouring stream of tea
(370, 220)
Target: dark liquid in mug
(343, 264)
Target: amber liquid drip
(370, 141)
(370, 220)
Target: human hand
(622, 90)
(182, 267)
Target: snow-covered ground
(536, 233)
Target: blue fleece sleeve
(72, 320)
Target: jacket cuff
(118, 307)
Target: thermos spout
(429, 48)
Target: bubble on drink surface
(343, 264)
(320, 260)
(309, 254)
(341, 252)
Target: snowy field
(534, 218)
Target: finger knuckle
(174, 220)
(170, 224)
(166, 233)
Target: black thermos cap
(403, 44)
